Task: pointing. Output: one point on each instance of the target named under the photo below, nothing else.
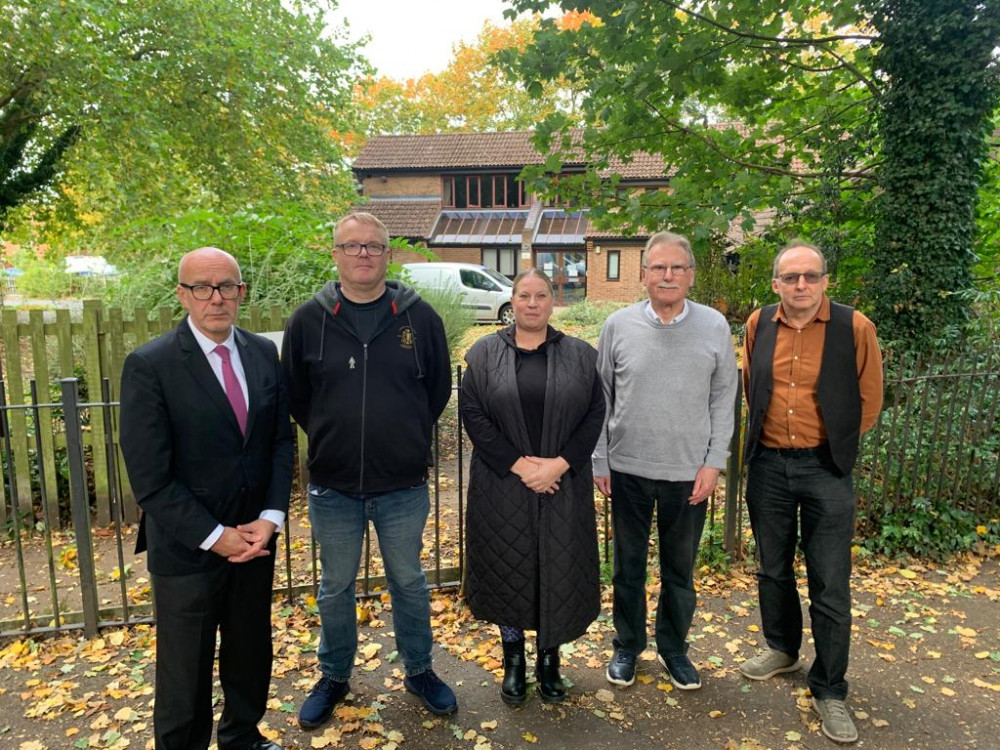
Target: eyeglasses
(354, 248)
(811, 277)
(658, 270)
(204, 292)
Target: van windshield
(498, 277)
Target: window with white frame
(501, 259)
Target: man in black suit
(208, 448)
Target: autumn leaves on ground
(925, 673)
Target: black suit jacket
(189, 465)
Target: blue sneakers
(318, 707)
(436, 696)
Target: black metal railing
(938, 436)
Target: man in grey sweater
(669, 374)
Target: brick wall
(458, 254)
(402, 185)
(629, 287)
(405, 256)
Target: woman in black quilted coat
(533, 407)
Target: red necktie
(233, 391)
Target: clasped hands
(245, 542)
(705, 482)
(540, 475)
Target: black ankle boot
(550, 684)
(514, 689)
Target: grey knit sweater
(670, 392)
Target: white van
(486, 293)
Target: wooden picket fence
(93, 349)
(950, 407)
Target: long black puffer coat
(532, 558)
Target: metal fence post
(734, 468)
(79, 503)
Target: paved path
(925, 674)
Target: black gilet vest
(838, 390)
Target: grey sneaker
(837, 723)
(768, 663)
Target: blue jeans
(679, 525)
(338, 524)
(780, 488)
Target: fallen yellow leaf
(988, 685)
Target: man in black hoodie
(368, 374)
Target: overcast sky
(412, 37)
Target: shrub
(457, 319)
(588, 312)
(931, 529)
(41, 278)
(735, 283)
(587, 316)
(150, 285)
(927, 472)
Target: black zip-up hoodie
(368, 409)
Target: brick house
(459, 194)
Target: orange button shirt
(793, 418)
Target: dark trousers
(679, 525)
(235, 601)
(780, 488)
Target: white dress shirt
(651, 314)
(215, 361)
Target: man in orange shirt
(812, 372)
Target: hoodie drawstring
(409, 321)
(322, 333)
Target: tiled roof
(593, 233)
(511, 150)
(448, 151)
(404, 218)
(643, 166)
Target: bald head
(210, 288)
(206, 257)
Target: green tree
(112, 110)
(22, 174)
(843, 117)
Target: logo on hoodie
(406, 336)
